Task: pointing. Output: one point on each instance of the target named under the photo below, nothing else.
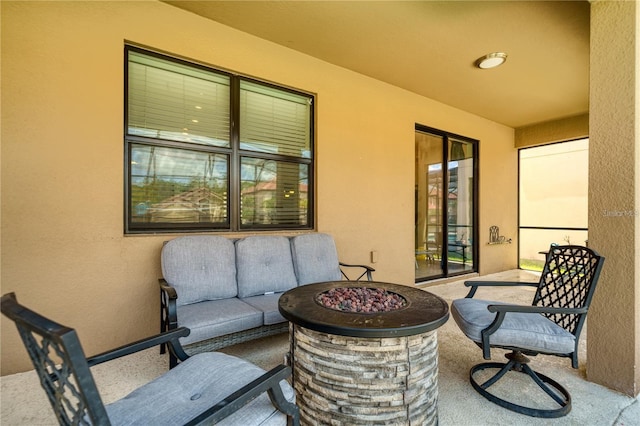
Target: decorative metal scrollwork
(496, 238)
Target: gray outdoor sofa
(226, 291)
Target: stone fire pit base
(342, 380)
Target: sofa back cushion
(200, 268)
(315, 258)
(264, 265)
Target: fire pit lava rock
(361, 299)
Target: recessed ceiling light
(491, 60)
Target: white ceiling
(429, 47)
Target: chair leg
(518, 362)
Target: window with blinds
(210, 150)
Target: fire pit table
(352, 367)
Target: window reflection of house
(268, 203)
(195, 206)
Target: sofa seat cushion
(264, 265)
(216, 318)
(200, 267)
(193, 387)
(529, 331)
(315, 258)
(268, 304)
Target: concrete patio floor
(23, 402)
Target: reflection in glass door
(445, 200)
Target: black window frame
(234, 153)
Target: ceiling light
(491, 60)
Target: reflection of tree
(158, 190)
(263, 203)
(155, 191)
(260, 167)
(162, 195)
(273, 192)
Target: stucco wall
(613, 333)
(63, 248)
(564, 129)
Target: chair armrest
(268, 382)
(368, 270)
(169, 337)
(535, 309)
(475, 284)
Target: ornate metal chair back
(568, 280)
(61, 365)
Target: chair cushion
(315, 258)
(268, 304)
(200, 268)
(194, 386)
(528, 331)
(264, 265)
(216, 318)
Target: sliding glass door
(445, 204)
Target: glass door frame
(444, 250)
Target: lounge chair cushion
(217, 317)
(524, 330)
(268, 304)
(200, 268)
(193, 387)
(315, 258)
(264, 265)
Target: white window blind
(274, 121)
(168, 100)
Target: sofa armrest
(168, 315)
(166, 287)
(367, 270)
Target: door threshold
(447, 280)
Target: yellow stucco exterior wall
(63, 248)
(560, 130)
(613, 332)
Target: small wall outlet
(374, 256)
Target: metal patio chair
(203, 389)
(551, 325)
